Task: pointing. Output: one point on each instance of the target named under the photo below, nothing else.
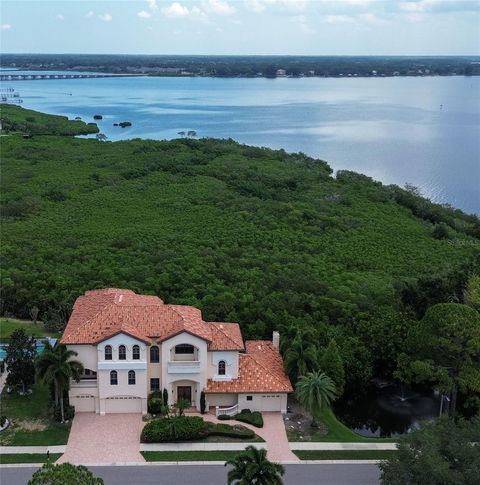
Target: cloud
(259, 6)
(302, 22)
(89, 14)
(5, 27)
(255, 6)
(220, 7)
(60, 17)
(106, 17)
(143, 14)
(152, 4)
(339, 19)
(439, 6)
(176, 10)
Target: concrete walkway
(13, 450)
(273, 432)
(114, 438)
(322, 445)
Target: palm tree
(300, 356)
(315, 391)
(251, 467)
(55, 365)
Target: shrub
(178, 428)
(246, 416)
(155, 405)
(68, 411)
(224, 417)
(237, 431)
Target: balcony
(84, 383)
(184, 367)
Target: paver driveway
(114, 438)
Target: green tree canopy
(252, 467)
(440, 453)
(444, 348)
(55, 365)
(20, 357)
(315, 391)
(64, 474)
(330, 362)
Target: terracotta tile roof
(260, 370)
(226, 336)
(100, 314)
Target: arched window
(122, 352)
(154, 354)
(131, 377)
(136, 352)
(108, 352)
(113, 378)
(221, 368)
(184, 349)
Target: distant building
(374, 73)
(281, 73)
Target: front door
(184, 392)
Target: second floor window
(131, 377)
(154, 354)
(108, 352)
(221, 368)
(113, 378)
(136, 352)
(122, 352)
(184, 349)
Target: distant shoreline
(248, 66)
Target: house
(131, 345)
(281, 73)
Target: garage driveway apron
(113, 438)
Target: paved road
(339, 474)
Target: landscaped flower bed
(189, 428)
(245, 416)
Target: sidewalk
(323, 445)
(11, 450)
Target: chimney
(276, 339)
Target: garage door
(83, 404)
(123, 405)
(271, 402)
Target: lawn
(345, 454)
(9, 325)
(332, 430)
(28, 458)
(189, 455)
(30, 420)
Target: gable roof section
(100, 314)
(260, 370)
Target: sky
(240, 27)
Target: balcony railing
(84, 383)
(183, 367)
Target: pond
(387, 411)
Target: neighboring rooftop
(101, 314)
(260, 370)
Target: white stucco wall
(87, 355)
(263, 402)
(231, 360)
(221, 399)
(169, 379)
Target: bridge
(39, 77)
